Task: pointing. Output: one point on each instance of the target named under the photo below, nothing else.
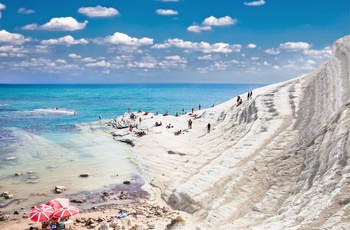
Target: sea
(50, 134)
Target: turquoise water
(32, 107)
(54, 146)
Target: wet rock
(60, 188)
(77, 201)
(4, 217)
(8, 196)
(84, 175)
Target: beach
(279, 160)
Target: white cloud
(199, 47)
(206, 57)
(74, 56)
(212, 21)
(197, 29)
(2, 7)
(254, 58)
(25, 11)
(58, 24)
(12, 38)
(175, 58)
(66, 40)
(102, 63)
(166, 12)
(294, 46)
(255, 3)
(224, 21)
(251, 46)
(88, 59)
(326, 53)
(272, 51)
(124, 39)
(98, 11)
(61, 61)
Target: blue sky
(149, 41)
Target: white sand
(278, 161)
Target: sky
(167, 41)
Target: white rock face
(278, 161)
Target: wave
(53, 111)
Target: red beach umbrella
(59, 203)
(41, 213)
(66, 212)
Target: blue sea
(52, 133)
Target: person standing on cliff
(208, 127)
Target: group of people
(249, 96)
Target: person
(190, 124)
(192, 110)
(177, 114)
(238, 98)
(99, 117)
(212, 106)
(140, 120)
(177, 132)
(199, 107)
(140, 134)
(183, 111)
(251, 94)
(56, 107)
(130, 127)
(239, 102)
(208, 127)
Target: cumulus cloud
(326, 53)
(124, 39)
(272, 51)
(66, 40)
(197, 28)
(251, 46)
(224, 21)
(88, 59)
(206, 57)
(166, 12)
(98, 11)
(74, 56)
(294, 46)
(102, 63)
(12, 38)
(255, 3)
(58, 24)
(2, 7)
(199, 47)
(25, 11)
(212, 21)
